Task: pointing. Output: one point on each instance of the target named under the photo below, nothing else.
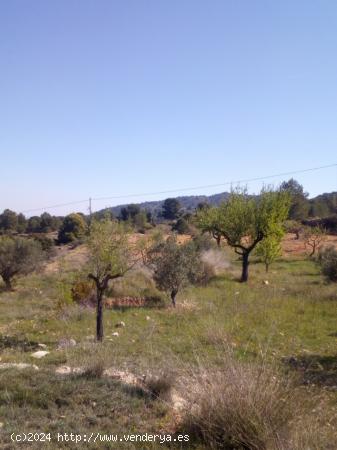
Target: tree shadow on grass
(315, 369)
(17, 343)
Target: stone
(39, 354)
(116, 334)
(148, 318)
(67, 370)
(18, 366)
(120, 324)
(66, 343)
(42, 345)
(266, 282)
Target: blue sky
(107, 98)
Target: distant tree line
(11, 222)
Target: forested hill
(321, 206)
(188, 202)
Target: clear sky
(105, 98)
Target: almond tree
(244, 221)
(314, 238)
(110, 257)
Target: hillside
(322, 205)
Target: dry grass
(240, 406)
(160, 384)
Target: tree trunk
(99, 316)
(218, 240)
(8, 283)
(245, 264)
(173, 297)
(313, 250)
(267, 267)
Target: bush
(240, 406)
(18, 256)
(327, 259)
(181, 226)
(83, 291)
(204, 274)
(73, 228)
(159, 385)
(204, 242)
(47, 244)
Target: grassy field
(289, 323)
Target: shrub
(327, 259)
(18, 256)
(82, 291)
(73, 228)
(240, 406)
(204, 274)
(203, 242)
(47, 244)
(159, 385)
(181, 226)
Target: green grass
(294, 316)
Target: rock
(1, 424)
(120, 324)
(63, 370)
(148, 318)
(237, 293)
(18, 366)
(266, 282)
(67, 370)
(42, 345)
(116, 334)
(66, 343)
(90, 338)
(39, 354)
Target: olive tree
(72, 228)
(18, 256)
(110, 257)
(173, 265)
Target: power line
(170, 191)
(228, 183)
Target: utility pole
(90, 210)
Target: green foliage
(8, 221)
(47, 244)
(269, 249)
(22, 223)
(299, 207)
(171, 209)
(314, 238)
(181, 226)
(109, 250)
(293, 226)
(73, 228)
(136, 217)
(208, 221)
(109, 258)
(244, 221)
(82, 290)
(327, 259)
(174, 265)
(129, 212)
(18, 256)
